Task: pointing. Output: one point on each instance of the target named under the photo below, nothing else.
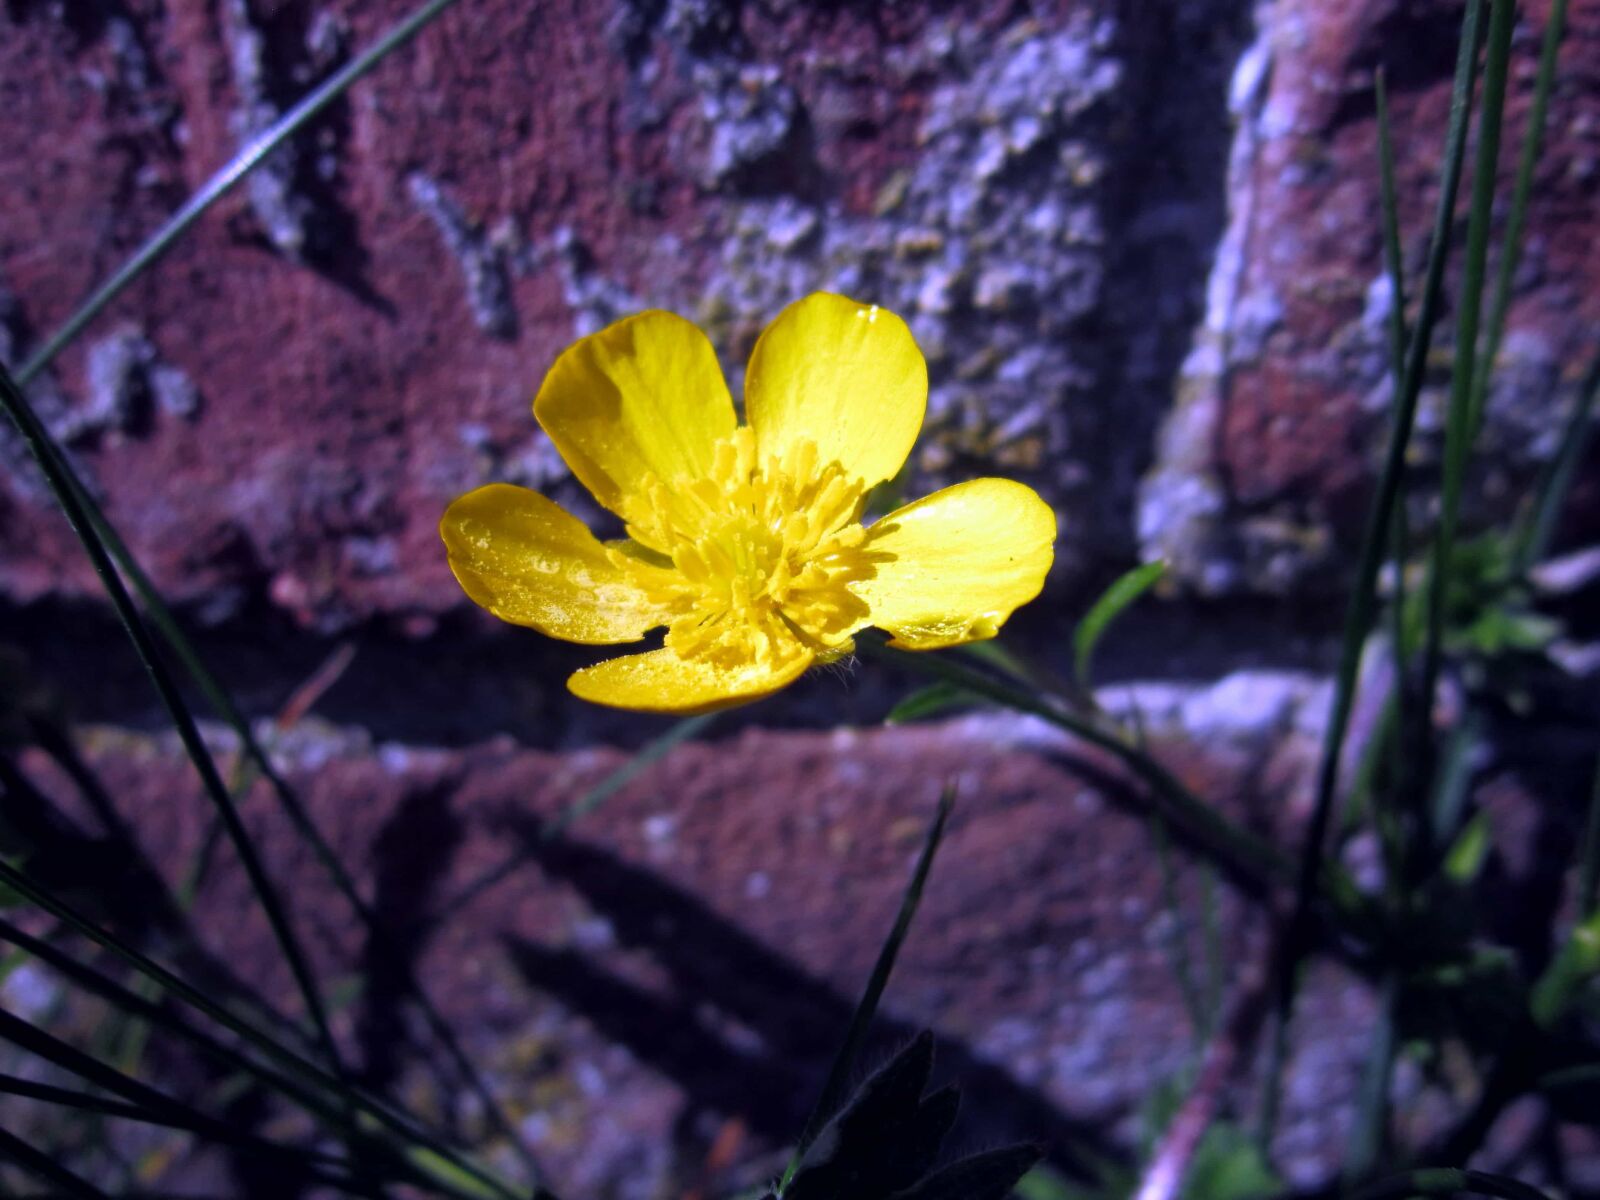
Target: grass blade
(1176, 943)
(1446, 1181)
(219, 185)
(648, 755)
(251, 156)
(256, 152)
(1536, 530)
(56, 474)
(1399, 535)
(929, 701)
(1113, 602)
(149, 1107)
(289, 801)
(1589, 855)
(1375, 538)
(1393, 258)
(46, 1168)
(1516, 219)
(1459, 427)
(1372, 1101)
(304, 1068)
(838, 1081)
(168, 1019)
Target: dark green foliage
(883, 1144)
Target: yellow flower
(745, 541)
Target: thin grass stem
(45, 1167)
(1459, 428)
(1537, 526)
(1589, 855)
(1372, 1102)
(348, 1094)
(837, 1084)
(1176, 943)
(1399, 533)
(156, 1016)
(251, 156)
(57, 475)
(220, 184)
(608, 787)
(1375, 540)
(178, 1116)
(1517, 217)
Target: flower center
(764, 551)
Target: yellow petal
(661, 681)
(529, 562)
(847, 376)
(962, 561)
(644, 396)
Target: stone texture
(1048, 194)
(688, 956)
(367, 320)
(1265, 464)
(1137, 242)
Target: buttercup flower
(745, 541)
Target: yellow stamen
(764, 550)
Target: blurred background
(1139, 245)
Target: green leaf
(1107, 609)
(1228, 1165)
(987, 1176)
(833, 1089)
(1575, 965)
(929, 701)
(1471, 849)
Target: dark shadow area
(473, 680)
(105, 875)
(1164, 213)
(1415, 47)
(410, 857)
(299, 47)
(743, 1030)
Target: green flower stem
(224, 181)
(1251, 860)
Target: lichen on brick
(996, 270)
(481, 258)
(288, 193)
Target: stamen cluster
(764, 549)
